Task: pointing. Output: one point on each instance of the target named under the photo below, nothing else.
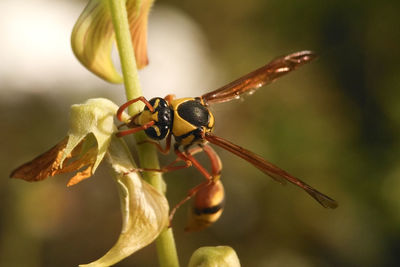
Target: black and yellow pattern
(207, 207)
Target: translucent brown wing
(259, 77)
(270, 169)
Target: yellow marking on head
(154, 116)
(156, 103)
(157, 129)
(145, 117)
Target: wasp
(191, 123)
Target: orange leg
(189, 195)
(165, 169)
(216, 164)
(189, 160)
(165, 150)
(169, 167)
(216, 167)
(124, 106)
(136, 129)
(187, 157)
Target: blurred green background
(334, 123)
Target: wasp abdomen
(207, 207)
(208, 210)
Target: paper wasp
(191, 123)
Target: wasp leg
(169, 167)
(136, 129)
(121, 125)
(197, 165)
(189, 195)
(216, 167)
(165, 150)
(189, 161)
(216, 164)
(187, 158)
(130, 102)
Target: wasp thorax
(162, 116)
(196, 114)
(191, 120)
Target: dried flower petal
(91, 128)
(95, 116)
(144, 209)
(43, 166)
(91, 137)
(138, 26)
(93, 37)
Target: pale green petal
(92, 40)
(144, 209)
(221, 256)
(95, 116)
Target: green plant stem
(166, 248)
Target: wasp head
(161, 115)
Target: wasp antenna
(130, 102)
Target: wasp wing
(259, 77)
(270, 169)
